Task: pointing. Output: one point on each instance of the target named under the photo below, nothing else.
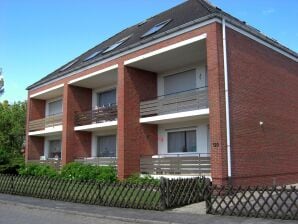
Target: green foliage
(77, 171)
(10, 162)
(4, 157)
(12, 135)
(137, 179)
(37, 170)
(12, 126)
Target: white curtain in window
(106, 146)
(55, 107)
(106, 98)
(180, 82)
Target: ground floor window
(106, 146)
(55, 149)
(182, 141)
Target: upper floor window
(106, 98)
(180, 82)
(55, 107)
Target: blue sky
(37, 36)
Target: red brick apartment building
(190, 91)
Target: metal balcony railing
(193, 99)
(97, 115)
(98, 161)
(49, 121)
(176, 164)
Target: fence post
(163, 193)
(12, 185)
(208, 197)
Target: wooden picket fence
(153, 195)
(260, 202)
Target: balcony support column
(34, 145)
(216, 95)
(75, 143)
(134, 139)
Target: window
(179, 82)
(55, 149)
(106, 146)
(107, 98)
(93, 55)
(182, 141)
(156, 28)
(115, 45)
(68, 65)
(54, 107)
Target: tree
(1, 83)
(12, 133)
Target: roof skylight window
(93, 55)
(68, 65)
(115, 45)
(156, 28)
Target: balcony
(98, 161)
(176, 164)
(191, 100)
(96, 116)
(49, 123)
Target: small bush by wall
(78, 171)
(37, 170)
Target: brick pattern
(216, 95)
(134, 139)
(263, 87)
(35, 147)
(75, 143)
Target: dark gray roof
(181, 15)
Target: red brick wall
(75, 143)
(263, 87)
(216, 93)
(134, 139)
(37, 109)
(35, 147)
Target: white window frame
(178, 130)
(50, 101)
(100, 90)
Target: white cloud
(268, 11)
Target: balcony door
(106, 98)
(106, 146)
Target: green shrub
(37, 170)
(138, 179)
(78, 171)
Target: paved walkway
(23, 210)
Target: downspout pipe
(227, 98)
